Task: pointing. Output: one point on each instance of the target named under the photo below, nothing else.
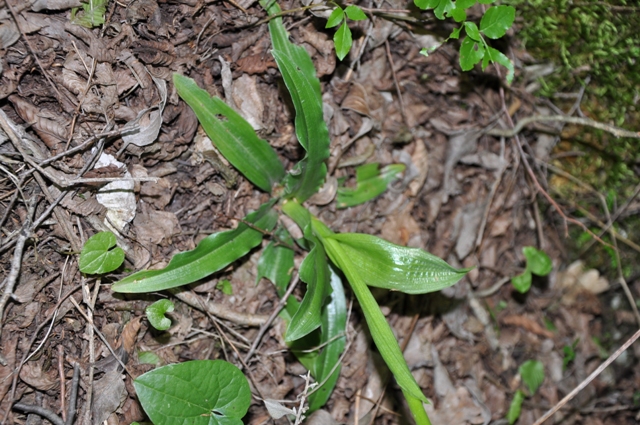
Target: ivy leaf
(232, 135)
(470, 53)
(355, 13)
(472, 30)
(522, 282)
(515, 407)
(335, 18)
(156, 314)
(212, 254)
(342, 40)
(370, 181)
(532, 372)
(97, 255)
(198, 392)
(497, 56)
(383, 264)
(497, 20)
(538, 262)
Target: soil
(68, 95)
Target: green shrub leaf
(371, 182)
(458, 15)
(440, 7)
(532, 372)
(465, 4)
(232, 135)
(515, 407)
(497, 56)
(97, 255)
(300, 78)
(314, 271)
(497, 20)
(334, 322)
(383, 264)
(156, 314)
(472, 30)
(198, 392)
(212, 254)
(355, 13)
(470, 53)
(522, 282)
(538, 262)
(336, 17)
(343, 41)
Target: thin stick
(587, 122)
(73, 398)
(274, 314)
(63, 386)
(40, 411)
(590, 378)
(395, 80)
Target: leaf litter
(118, 76)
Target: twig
(395, 80)
(63, 387)
(73, 398)
(271, 318)
(616, 131)
(303, 397)
(16, 261)
(590, 378)
(40, 411)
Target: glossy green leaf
(99, 255)
(336, 17)
(380, 330)
(343, 41)
(276, 262)
(465, 4)
(440, 7)
(455, 34)
(515, 407)
(522, 282)
(198, 392)
(212, 254)
(156, 314)
(334, 323)
(497, 20)
(314, 271)
(370, 183)
(300, 78)
(355, 13)
(472, 30)
(386, 265)
(470, 53)
(532, 373)
(538, 262)
(232, 135)
(458, 15)
(497, 56)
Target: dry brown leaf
(33, 374)
(110, 393)
(526, 324)
(51, 132)
(420, 159)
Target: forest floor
(466, 196)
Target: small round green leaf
(199, 392)
(97, 255)
(458, 15)
(472, 30)
(532, 372)
(497, 20)
(355, 13)
(470, 53)
(156, 314)
(522, 282)
(335, 18)
(538, 262)
(342, 40)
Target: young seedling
(100, 254)
(538, 263)
(532, 374)
(319, 319)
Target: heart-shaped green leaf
(156, 314)
(383, 264)
(232, 135)
(212, 254)
(97, 255)
(538, 262)
(199, 392)
(522, 282)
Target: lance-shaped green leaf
(212, 254)
(300, 78)
(383, 264)
(232, 135)
(199, 392)
(370, 182)
(276, 261)
(380, 330)
(334, 322)
(314, 271)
